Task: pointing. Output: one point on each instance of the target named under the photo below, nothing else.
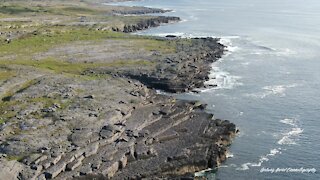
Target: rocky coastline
(94, 113)
(155, 22)
(146, 24)
(139, 11)
(185, 71)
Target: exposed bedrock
(111, 130)
(186, 70)
(162, 139)
(147, 23)
(60, 126)
(138, 10)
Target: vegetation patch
(160, 45)
(6, 74)
(79, 10)
(6, 111)
(25, 9)
(43, 40)
(63, 67)
(24, 86)
(15, 158)
(13, 9)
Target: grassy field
(36, 27)
(22, 50)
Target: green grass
(163, 46)
(15, 158)
(25, 9)
(7, 96)
(48, 102)
(3, 15)
(43, 41)
(75, 9)
(5, 112)
(79, 10)
(133, 101)
(6, 74)
(63, 67)
(46, 39)
(14, 9)
(23, 50)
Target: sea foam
(219, 79)
(261, 160)
(229, 155)
(289, 121)
(288, 138)
(278, 90)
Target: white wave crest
(273, 152)
(278, 90)
(227, 41)
(285, 52)
(199, 9)
(219, 79)
(229, 155)
(243, 167)
(275, 90)
(262, 159)
(289, 121)
(289, 137)
(245, 63)
(259, 49)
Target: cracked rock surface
(111, 128)
(88, 108)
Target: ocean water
(268, 81)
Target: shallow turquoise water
(268, 84)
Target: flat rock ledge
(136, 10)
(162, 138)
(146, 24)
(119, 128)
(184, 71)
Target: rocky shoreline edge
(116, 126)
(186, 138)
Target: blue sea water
(268, 82)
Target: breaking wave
(262, 159)
(278, 90)
(290, 136)
(219, 79)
